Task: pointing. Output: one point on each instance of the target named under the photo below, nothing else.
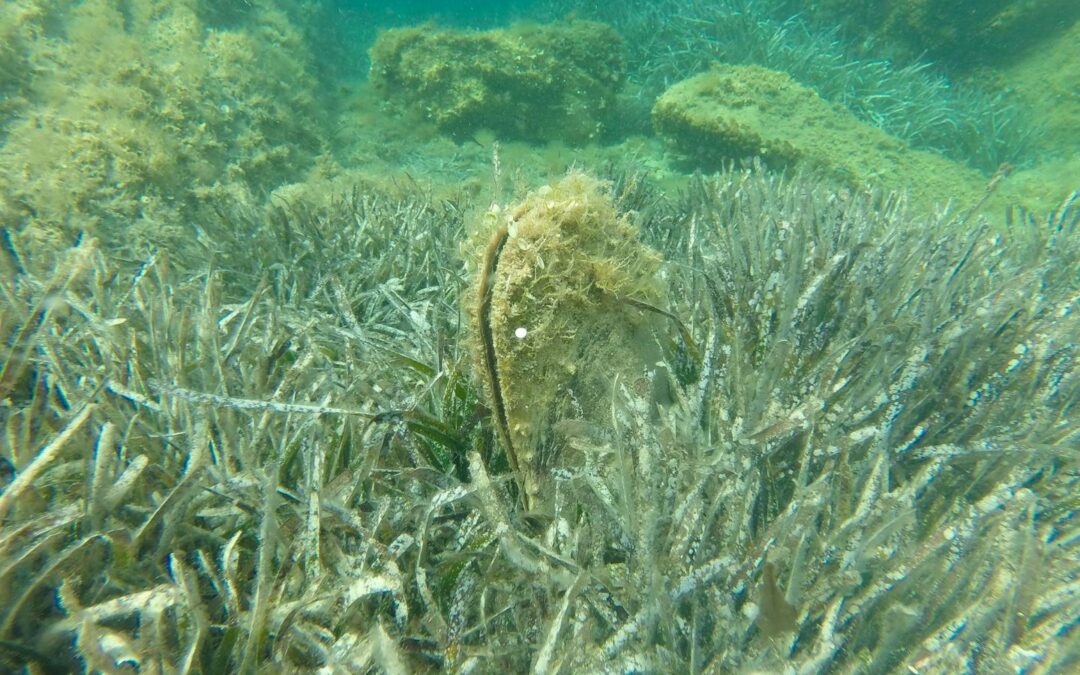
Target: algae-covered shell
(557, 319)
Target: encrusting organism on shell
(563, 308)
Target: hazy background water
(478, 13)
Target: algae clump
(561, 320)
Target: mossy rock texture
(734, 112)
(960, 31)
(559, 323)
(530, 82)
(139, 116)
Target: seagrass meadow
(281, 460)
(302, 373)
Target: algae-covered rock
(1048, 82)
(732, 112)
(956, 30)
(138, 113)
(560, 319)
(532, 82)
(17, 27)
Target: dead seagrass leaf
(560, 315)
(776, 615)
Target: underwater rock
(561, 316)
(141, 118)
(733, 112)
(962, 31)
(530, 82)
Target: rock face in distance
(958, 31)
(528, 82)
(734, 112)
